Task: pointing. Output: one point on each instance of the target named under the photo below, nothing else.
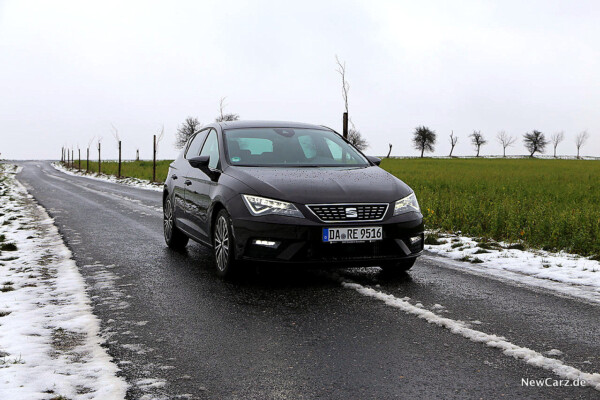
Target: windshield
(287, 147)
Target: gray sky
(68, 69)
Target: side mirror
(374, 160)
(199, 162)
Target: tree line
(424, 140)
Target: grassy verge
(133, 169)
(549, 204)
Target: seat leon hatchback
(288, 193)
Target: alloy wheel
(168, 220)
(222, 243)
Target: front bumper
(299, 241)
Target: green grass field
(548, 204)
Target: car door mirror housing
(374, 160)
(200, 162)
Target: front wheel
(223, 245)
(175, 239)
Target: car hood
(323, 185)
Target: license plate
(364, 234)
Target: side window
(339, 154)
(336, 150)
(194, 147)
(211, 148)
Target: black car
(288, 193)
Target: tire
(398, 267)
(224, 245)
(175, 239)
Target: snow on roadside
(49, 338)
(135, 182)
(559, 267)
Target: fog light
(415, 239)
(266, 243)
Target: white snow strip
(579, 276)
(150, 383)
(530, 356)
(49, 338)
(133, 182)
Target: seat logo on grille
(351, 212)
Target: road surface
(177, 331)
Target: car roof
(268, 124)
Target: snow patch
(562, 267)
(49, 336)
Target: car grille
(349, 212)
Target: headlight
(263, 206)
(407, 204)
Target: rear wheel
(398, 267)
(174, 237)
(223, 245)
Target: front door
(200, 187)
(181, 182)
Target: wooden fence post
(154, 159)
(72, 160)
(79, 157)
(345, 125)
(87, 165)
(99, 161)
(119, 172)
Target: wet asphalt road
(177, 331)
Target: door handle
(173, 177)
(187, 182)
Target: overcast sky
(68, 70)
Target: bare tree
(345, 89)
(389, 152)
(535, 142)
(87, 165)
(424, 139)
(356, 138)
(478, 140)
(580, 140)
(185, 131)
(223, 117)
(556, 139)
(118, 139)
(505, 140)
(453, 141)
(345, 85)
(115, 133)
(160, 137)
